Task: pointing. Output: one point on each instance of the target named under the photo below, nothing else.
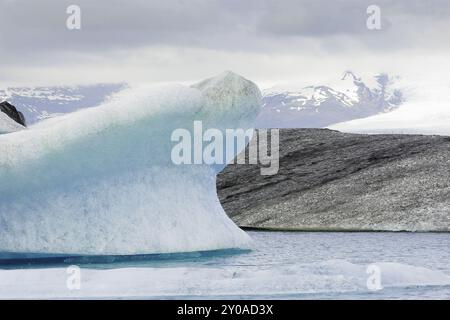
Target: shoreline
(331, 230)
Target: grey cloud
(34, 32)
(328, 18)
(105, 23)
(314, 18)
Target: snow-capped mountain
(39, 103)
(316, 106)
(323, 105)
(8, 125)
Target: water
(282, 265)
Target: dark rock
(12, 112)
(330, 180)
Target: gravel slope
(330, 180)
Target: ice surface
(101, 180)
(332, 276)
(38, 103)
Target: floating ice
(335, 278)
(101, 181)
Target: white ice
(101, 180)
(426, 110)
(334, 277)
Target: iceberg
(100, 181)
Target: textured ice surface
(101, 181)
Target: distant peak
(350, 74)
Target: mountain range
(322, 105)
(38, 103)
(314, 106)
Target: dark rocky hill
(330, 180)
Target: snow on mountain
(426, 111)
(39, 103)
(323, 105)
(8, 125)
(347, 98)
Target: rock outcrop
(333, 181)
(12, 112)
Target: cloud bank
(184, 40)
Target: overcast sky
(268, 41)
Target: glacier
(424, 111)
(100, 181)
(39, 103)
(317, 106)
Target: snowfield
(8, 125)
(426, 110)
